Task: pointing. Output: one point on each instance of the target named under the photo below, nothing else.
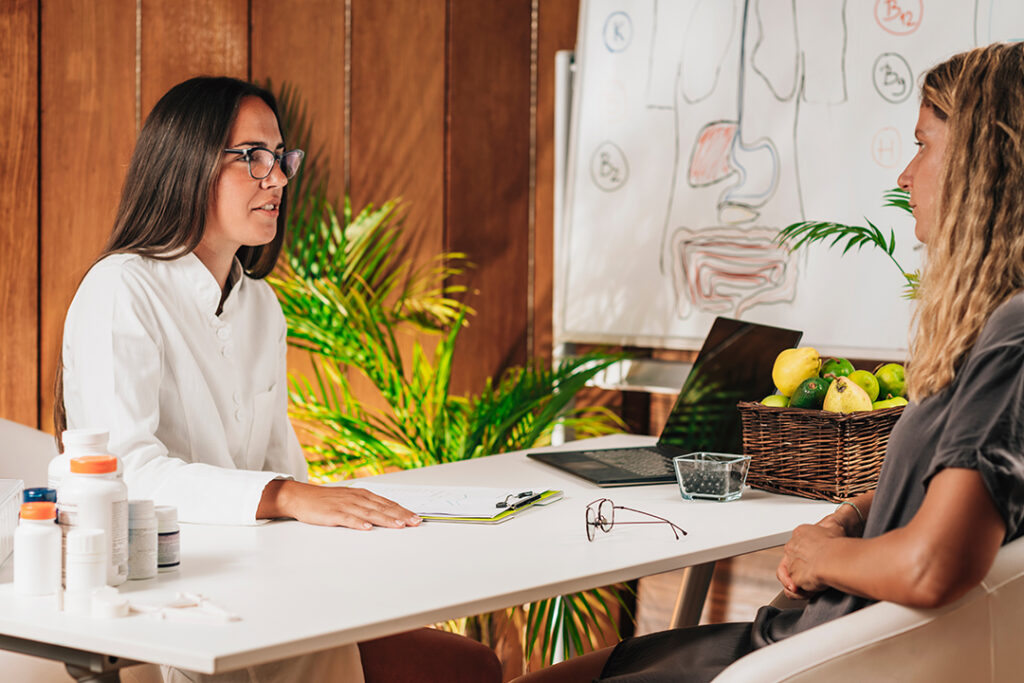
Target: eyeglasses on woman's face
(601, 515)
(261, 161)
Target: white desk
(302, 588)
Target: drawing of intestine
(728, 270)
(744, 143)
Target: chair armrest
(883, 641)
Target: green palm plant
(849, 236)
(360, 308)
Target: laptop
(734, 364)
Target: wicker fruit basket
(815, 453)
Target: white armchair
(976, 638)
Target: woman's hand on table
(354, 508)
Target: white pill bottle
(37, 551)
(77, 442)
(86, 561)
(93, 497)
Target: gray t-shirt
(977, 422)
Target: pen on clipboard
(516, 500)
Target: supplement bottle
(77, 442)
(169, 538)
(37, 551)
(142, 549)
(92, 497)
(86, 565)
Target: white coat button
(223, 333)
(238, 397)
(239, 415)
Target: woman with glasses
(176, 345)
(951, 491)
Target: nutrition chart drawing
(701, 127)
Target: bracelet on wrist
(860, 515)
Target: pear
(793, 366)
(844, 396)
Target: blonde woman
(951, 490)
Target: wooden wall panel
(87, 90)
(396, 140)
(304, 45)
(188, 38)
(556, 31)
(397, 136)
(19, 236)
(487, 194)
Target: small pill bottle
(168, 538)
(86, 568)
(39, 494)
(142, 540)
(37, 551)
(92, 497)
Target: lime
(866, 381)
(834, 368)
(776, 401)
(891, 381)
(810, 394)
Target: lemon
(793, 366)
(776, 401)
(866, 381)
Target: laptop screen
(735, 364)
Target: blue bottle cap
(39, 494)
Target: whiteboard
(701, 127)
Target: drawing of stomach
(729, 270)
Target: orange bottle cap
(38, 510)
(94, 464)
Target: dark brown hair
(170, 180)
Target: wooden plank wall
(19, 212)
(445, 103)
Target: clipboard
(464, 504)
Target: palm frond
(572, 621)
(806, 233)
(898, 199)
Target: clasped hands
(796, 571)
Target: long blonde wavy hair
(975, 257)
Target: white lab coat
(196, 403)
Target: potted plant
(358, 306)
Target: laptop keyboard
(643, 462)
